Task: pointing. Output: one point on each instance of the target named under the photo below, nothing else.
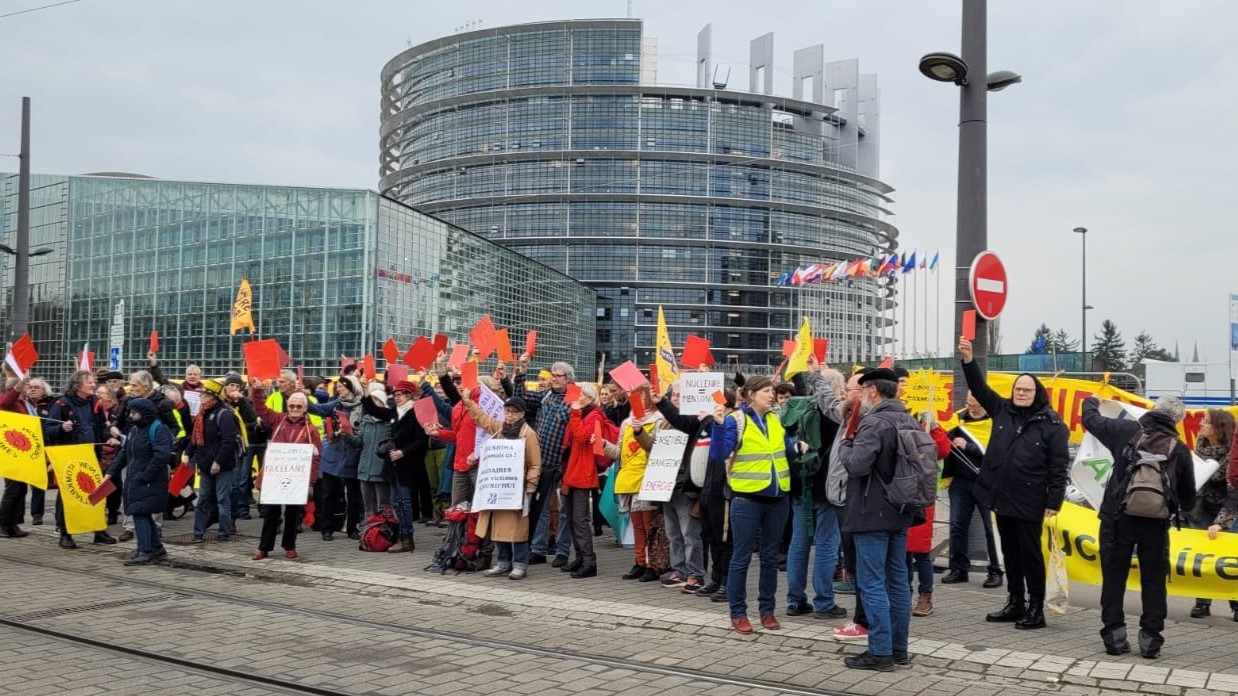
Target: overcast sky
(1125, 122)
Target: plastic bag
(1057, 586)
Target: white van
(1199, 385)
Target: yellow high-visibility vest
(759, 455)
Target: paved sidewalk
(1066, 657)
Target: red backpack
(379, 531)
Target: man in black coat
(1023, 481)
(213, 445)
(74, 420)
(1126, 526)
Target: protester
(374, 471)
(74, 420)
(690, 536)
(760, 479)
(1023, 481)
(635, 440)
(782, 394)
(292, 426)
(463, 435)
(32, 398)
(869, 453)
(814, 524)
(407, 453)
(147, 453)
(341, 453)
(1226, 520)
(252, 434)
(1152, 480)
(509, 529)
(580, 478)
(1216, 432)
(548, 411)
(213, 447)
(107, 403)
(962, 466)
(142, 385)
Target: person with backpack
(213, 449)
(1023, 481)
(1152, 482)
(509, 529)
(147, 453)
(878, 516)
(757, 448)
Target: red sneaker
(770, 623)
(742, 624)
(851, 631)
(290, 553)
(259, 555)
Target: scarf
(511, 431)
(402, 409)
(198, 438)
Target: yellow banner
(78, 475)
(1198, 566)
(243, 308)
(668, 367)
(797, 362)
(21, 449)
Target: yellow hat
(543, 374)
(213, 387)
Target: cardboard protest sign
(286, 473)
(696, 352)
(490, 404)
(696, 391)
(500, 476)
(262, 358)
(628, 376)
(663, 466)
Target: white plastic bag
(1057, 586)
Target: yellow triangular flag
(668, 367)
(21, 449)
(243, 308)
(798, 361)
(78, 475)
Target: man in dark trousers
(1153, 478)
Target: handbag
(1057, 585)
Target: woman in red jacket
(293, 427)
(580, 478)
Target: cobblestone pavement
(547, 634)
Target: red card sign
(638, 406)
(103, 491)
(653, 379)
(599, 444)
(788, 347)
(262, 359)
(396, 373)
(301, 374)
(887, 363)
(390, 351)
(468, 375)
(530, 343)
(180, 478)
(696, 352)
(482, 337)
(346, 362)
(719, 398)
(421, 355)
(969, 324)
(367, 367)
(628, 376)
(440, 344)
(426, 411)
(573, 394)
(22, 356)
(819, 348)
(503, 346)
(154, 341)
(458, 355)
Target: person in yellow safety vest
(286, 385)
(753, 440)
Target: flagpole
(937, 303)
(902, 284)
(915, 321)
(927, 352)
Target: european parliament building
(334, 272)
(555, 140)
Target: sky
(1124, 123)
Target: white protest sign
(500, 476)
(663, 466)
(286, 473)
(696, 392)
(492, 406)
(193, 400)
(1094, 462)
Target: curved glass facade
(542, 138)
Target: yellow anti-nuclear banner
(1198, 566)
(77, 475)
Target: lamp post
(20, 313)
(968, 72)
(1083, 338)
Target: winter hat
(405, 386)
(213, 387)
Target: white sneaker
(518, 574)
(496, 571)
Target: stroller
(462, 550)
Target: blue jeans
(402, 500)
(513, 553)
(922, 565)
(242, 488)
(147, 533)
(963, 503)
(881, 580)
(824, 543)
(541, 534)
(214, 490)
(753, 522)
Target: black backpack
(1147, 491)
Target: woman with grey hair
(580, 476)
(30, 397)
(374, 472)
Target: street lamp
(971, 236)
(1083, 340)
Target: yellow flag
(21, 449)
(243, 308)
(798, 360)
(668, 367)
(78, 475)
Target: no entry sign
(988, 285)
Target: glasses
(559, 375)
(295, 407)
(1023, 390)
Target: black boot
(1013, 611)
(1035, 616)
(1115, 641)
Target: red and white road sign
(988, 285)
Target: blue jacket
(341, 453)
(148, 454)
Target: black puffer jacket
(1026, 465)
(147, 452)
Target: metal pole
(1083, 340)
(21, 273)
(972, 232)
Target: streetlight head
(997, 81)
(41, 251)
(944, 67)
(7, 249)
(1081, 230)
